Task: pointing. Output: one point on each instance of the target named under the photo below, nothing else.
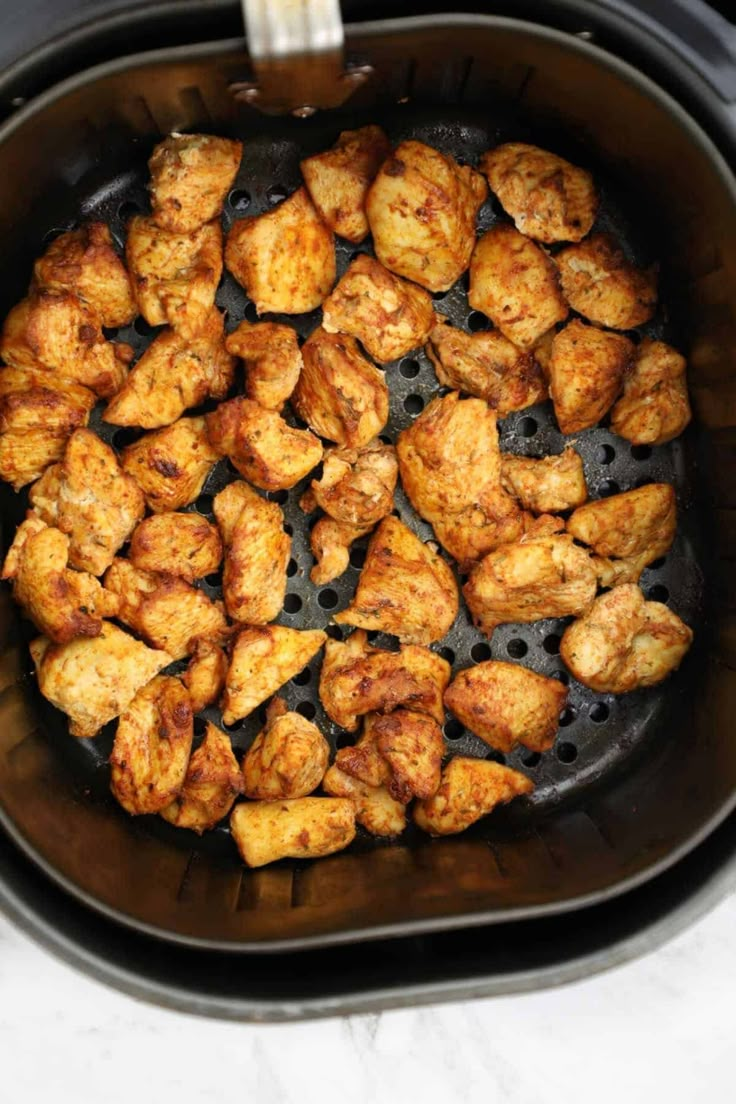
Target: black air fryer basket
(628, 832)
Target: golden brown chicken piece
(422, 209)
(338, 179)
(330, 542)
(204, 677)
(176, 544)
(389, 316)
(190, 176)
(404, 588)
(548, 198)
(94, 679)
(17, 381)
(211, 784)
(537, 577)
(470, 789)
(506, 704)
(148, 762)
(305, 828)
(170, 465)
(174, 275)
(285, 258)
(356, 679)
(340, 394)
(174, 374)
(256, 554)
(35, 426)
(488, 366)
(514, 283)
(587, 369)
(375, 808)
(89, 497)
(450, 468)
(412, 746)
(272, 359)
(84, 261)
(624, 642)
(654, 407)
(602, 285)
(288, 757)
(627, 531)
(362, 759)
(266, 450)
(264, 658)
(547, 485)
(166, 611)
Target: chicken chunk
(85, 262)
(149, 758)
(506, 704)
(204, 677)
(470, 789)
(285, 258)
(547, 485)
(94, 679)
(404, 588)
(18, 381)
(211, 784)
(602, 285)
(266, 450)
(190, 176)
(338, 179)
(91, 499)
(170, 465)
(256, 554)
(263, 659)
(413, 747)
(340, 394)
(422, 209)
(548, 198)
(363, 760)
(304, 828)
(587, 370)
(624, 643)
(357, 484)
(515, 284)
(35, 426)
(287, 759)
(654, 407)
(330, 542)
(375, 808)
(176, 544)
(272, 359)
(389, 316)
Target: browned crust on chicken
(469, 789)
(288, 757)
(190, 176)
(600, 283)
(170, 465)
(338, 179)
(654, 407)
(211, 785)
(256, 554)
(85, 262)
(587, 370)
(546, 485)
(272, 358)
(266, 450)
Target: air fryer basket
(632, 782)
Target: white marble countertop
(657, 1028)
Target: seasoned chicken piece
(488, 366)
(266, 450)
(412, 746)
(356, 679)
(514, 282)
(506, 704)
(627, 531)
(389, 316)
(547, 485)
(288, 757)
(190, 176)
(375, 808)
(148, 762)
(330, 542)
(17, 381)
(602, 285)
(450, 468)
(542, 351)
(264, 658)
(89, 497)
(285, 258)
(176, 544)
(256, 554)
(204, 677)
(624, 642)
(470, 789)
(211, 784)
(363, 760)
(84, 261)
(171, 465)
(654, 407)
(357, 484)
(340, 394)
(538, 577)
(272, 359)
(166, 611)
(174, 374)
(548, 198)
(422, 209)
(174, 275)
(35, 426)
(587, 370)
(94, 679)
(338, 179)
(305, 828)
(404, 588)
